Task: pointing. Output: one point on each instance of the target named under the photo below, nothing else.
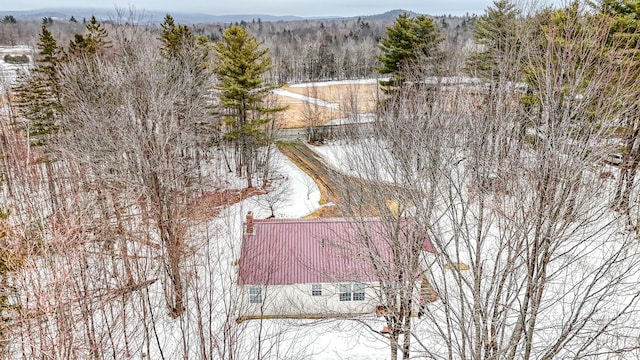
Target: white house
(307, 268)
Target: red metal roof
(298, 251)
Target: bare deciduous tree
(531, 261)
(135, 125)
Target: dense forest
(508, 139)
(329, 49)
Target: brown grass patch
(456, 266)
(211, 203)
(364, 93)
(359, 98)
(329, 211)
(294, 116)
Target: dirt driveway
(337, 188)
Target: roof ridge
(332, 219)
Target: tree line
(307, 50)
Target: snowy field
(9, 72)
(358, 119)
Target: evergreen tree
(175, 38)
(180, 44)
(39, 94)
(94, 42)
(496, 33)
(180, 48)
(623, 42)
(240, 66)
(625, 34)
(9, 19)
(498, 59)
(410, 42)
(554, 35)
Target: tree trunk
(393, 340)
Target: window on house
(255, 294)
(345, 292)
(351, 292)
(358, 292)
(316, 289)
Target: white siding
(296, 300)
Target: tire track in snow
(314, 101)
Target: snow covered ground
(593, 255)
(304, 339)
(9, 72)
(359, 119)
(337, 82)
(296, 195)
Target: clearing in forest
(338, 100)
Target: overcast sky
(307, 8)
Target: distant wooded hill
(156, 17)
(302, 49)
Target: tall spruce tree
(410, 42)
(626, 27)
(39, 93)
(498, 57)
(175, 38)
(181, 49)
(181, 45)
(240, 65)
(624, 40)
(94, 42)
(496, 34)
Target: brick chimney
(249, 229)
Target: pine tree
(553, 36)
(240, 65)
(624, 40)
(180, 48)
(496, 33)
(625, 34)
(174, 38)
(39, 98)
(9, 19)
(410, 42)
(94, 42)
(498, 58)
